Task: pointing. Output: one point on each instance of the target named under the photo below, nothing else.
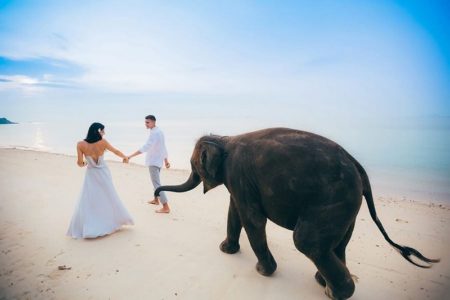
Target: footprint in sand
(401, 221)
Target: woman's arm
(80, 160)
(114, 150)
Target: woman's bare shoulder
(101, 144)
(104, 143)
(81, 143)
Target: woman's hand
(126, 160)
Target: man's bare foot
(154, 201)
(164, 210)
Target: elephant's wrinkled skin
(300, 181)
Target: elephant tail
(405, 251)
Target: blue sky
(362, 57)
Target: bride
(99, 210)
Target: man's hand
(126, 160)
(167, 164)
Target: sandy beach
(177, 256)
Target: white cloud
(28, 86)
(20, 80)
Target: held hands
(127, 160)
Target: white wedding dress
(99, 210)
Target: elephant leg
(255, 226)
(318, 243)
(234, 226)
(339, 251)
(339, 284)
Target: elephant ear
(211, 159)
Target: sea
(405, 157)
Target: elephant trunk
(191, 183)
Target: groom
(156, 153)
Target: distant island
(5, 121)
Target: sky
(384, 58)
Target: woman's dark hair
(93, 134)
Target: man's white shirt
(155, 148)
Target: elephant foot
(228, 247)
(340, 294)
(320, 279)
(266, 268)
(329, 293)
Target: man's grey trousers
(154, 175)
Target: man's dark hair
(150, 117)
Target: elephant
(299, 180)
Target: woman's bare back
(94, 150)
